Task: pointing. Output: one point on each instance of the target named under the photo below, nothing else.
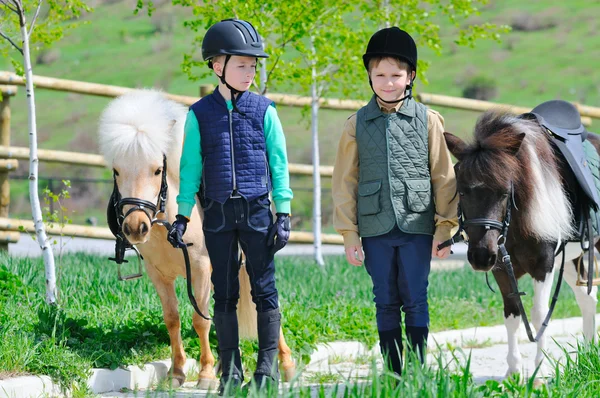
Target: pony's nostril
(493, 258)
(126, 229)
(144, 228)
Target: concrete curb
(101, 381)
(28, 386)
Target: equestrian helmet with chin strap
(232, 37)
(392, 42)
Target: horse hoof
(176, 383)
(205, 383)
(177, 380)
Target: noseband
(489, 223)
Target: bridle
(489, 223)
(502, 226)
(116, 218)
(141, 204)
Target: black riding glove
(175, 235)
(280, 230)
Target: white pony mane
(550, 214)
(141, 126)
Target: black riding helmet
(232, 37)
(395, 43)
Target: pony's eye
(116, 172)
(461, 193)
(157, 172)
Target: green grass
(105, 323)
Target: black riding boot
(226, 325)
(267, 369)
(390, 342)
(417, 338)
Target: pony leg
(201, 282)
(513, 358)
(512, 321)
(166, 292)
(541, 296)
(285, 358)
(587, 303)
(246, 310)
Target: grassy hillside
(552, 52)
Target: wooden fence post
(7, 92)
(206, 89)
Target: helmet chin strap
(408, 92)
(232, 90)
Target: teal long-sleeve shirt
(190, 168)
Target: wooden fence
(9, 156)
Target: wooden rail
(17, 225)
(93, 160)
(104, 90)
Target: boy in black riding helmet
(234, 154)
(393, 188)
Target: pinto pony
(511, 169)
(140, 133)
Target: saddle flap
(575, 155)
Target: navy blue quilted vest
(234, 153)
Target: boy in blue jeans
(394, 187)
(234, 154)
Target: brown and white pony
(511, 164)
(136, 132)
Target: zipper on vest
(232, 151)
(267, 172)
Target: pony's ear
(514, 143)
(456, 146)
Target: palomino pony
(141, 133)
(511, 171)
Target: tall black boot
(390, 342)
(417, 338)
(226, 325)
(267, 369)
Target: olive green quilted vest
(394, 185)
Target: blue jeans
(399, 265)
(226, 225)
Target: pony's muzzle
(481, 258)
(136, 228)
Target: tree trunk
(263, 73)
(316, 163)
(36, 210)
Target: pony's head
(509, 169)
(136, 132)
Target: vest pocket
(368, 200)
(418, 194)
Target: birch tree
(23, 25)
(329, 51)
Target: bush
(480, 88)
